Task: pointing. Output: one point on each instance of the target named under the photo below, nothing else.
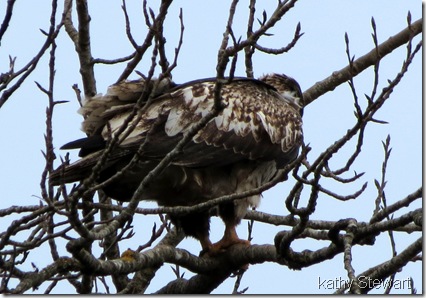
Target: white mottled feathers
(119, 97)
(257, 122)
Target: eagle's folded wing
(256, 124)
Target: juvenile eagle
(258, 132)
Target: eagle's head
(286, 86)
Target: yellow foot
(222, 245)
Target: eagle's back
(256, 123)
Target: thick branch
(83, 49)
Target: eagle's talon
(204, 253)
(223, 245)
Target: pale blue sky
(319, 52)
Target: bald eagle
(258, 132)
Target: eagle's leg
(196, 225)
(205, 242)
(230, 237)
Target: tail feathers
(87, 145)
(82, 168)
(74, 172)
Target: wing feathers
(256, 123)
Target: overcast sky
(319, 52)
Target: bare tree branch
(362, 63)
(7, 17)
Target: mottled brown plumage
(258, 132)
